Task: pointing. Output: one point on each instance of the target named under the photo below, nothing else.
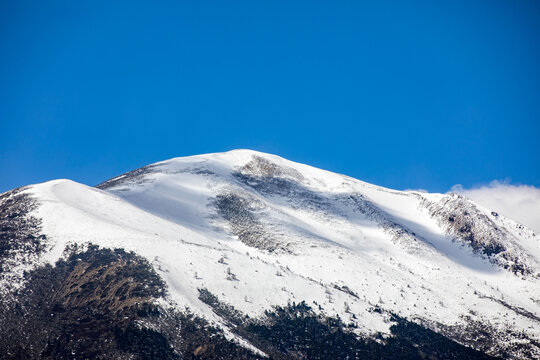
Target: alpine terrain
(246, 255)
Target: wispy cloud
(518, 202)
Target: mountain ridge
(245, 232)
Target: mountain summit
(243, 255)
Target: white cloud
(518, 202)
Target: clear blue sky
(401, 94)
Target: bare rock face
(242, 212)
(463, 221)
(21, 240)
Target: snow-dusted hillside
(255, 231)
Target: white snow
(169, 219)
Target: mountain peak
(244, 240)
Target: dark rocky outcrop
(21, 240)
(100, 304)
(464, 222)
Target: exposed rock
(469, 225)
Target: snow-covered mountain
(246, 255)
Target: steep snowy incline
(343, 232)
(258, 231)
(185, 190)
(186, 260)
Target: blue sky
(401, 94)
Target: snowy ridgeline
(256, 231)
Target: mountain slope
(240, 244)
